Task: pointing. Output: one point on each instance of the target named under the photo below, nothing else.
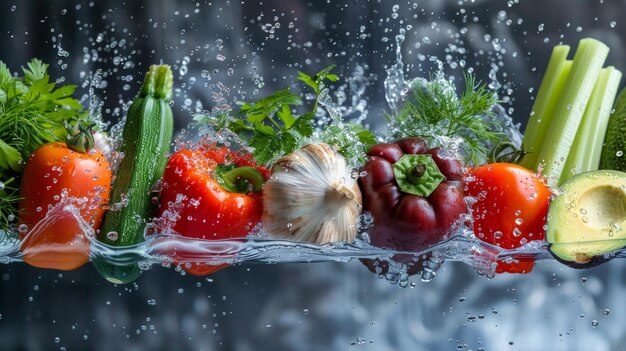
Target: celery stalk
(586, 67)
(587, 148)
(545, 104)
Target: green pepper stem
(239, 179)
(416, 173)
(158, 83)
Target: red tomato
(52, 170)
(199, 207)
(510, 209)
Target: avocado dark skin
(595, 261)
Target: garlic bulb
(312, 196)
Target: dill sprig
(435, 111)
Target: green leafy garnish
(33, 112)
(435, 110)
(269, 124)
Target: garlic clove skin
(312, 196)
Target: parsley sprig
(272, 125)
(33, 111)
(435, 110)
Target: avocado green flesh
(588, 218)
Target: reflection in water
(224, 51)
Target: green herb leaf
(285, 116)
(270, 104)
(5, 74)
(365, 136)
(10, 157)
(316, 81)
(263, 129)
(304, 124)
(308, 80)
(36, 70)
(268, 147)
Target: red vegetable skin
(404, 221)
(52, 169)
(205, 209)
(510, 209)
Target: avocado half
(587, 219)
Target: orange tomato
(55, 173)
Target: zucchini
(147, 137)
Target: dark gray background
(304, 306)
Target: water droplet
(112, 235)
(594, 323)
(498, 234)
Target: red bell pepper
(213, 194)
(414, 195)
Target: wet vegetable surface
(331, 306)
(422, 216)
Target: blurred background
(224, 51)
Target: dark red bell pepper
(414, 195)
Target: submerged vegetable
(55, 172)
(210, 194)
(146, 142)
(414, 195)
(312, 196)
(509, 209)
